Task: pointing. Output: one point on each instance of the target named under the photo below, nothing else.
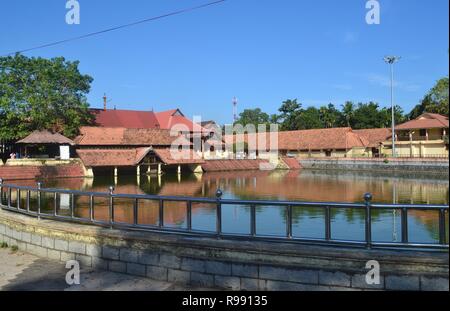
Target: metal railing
(36, 210)
(420, 138)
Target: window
(423, 133)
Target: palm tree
(348, 110)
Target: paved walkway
(25, 272)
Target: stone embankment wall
(439, 166)
(33, 169)
(236, 265)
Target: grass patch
(3, 245)
(14, 248)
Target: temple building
(424, 137)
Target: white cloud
(385, 81)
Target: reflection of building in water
(321, 186)
(148, 212)
(430, 220)
(306, 185)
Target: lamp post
(391, 60)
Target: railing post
(405, 239)
(289, 222)
(72, 205)
(161, 213)
(55, 203)
(189, 215)
(39, 187)
(253, 220)
(442, 235)
(368, 200)
(1, 192)
(135, 211)
(219, 194)
(328, 223)
(9, 198)
(91, 208)
(111, 206)
(18, 199)
(28, 200)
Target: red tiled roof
(178, 156)
(425, 121)
(317, 139)
(103, 136)
(125, 118)
(112, 157)
(45, 137)
(375, 136)
(172, 118)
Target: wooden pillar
(159, 169)
(179, 170)
(138, 170)
(411, 146)
(89, 172)
(116, 172)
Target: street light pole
(391, 60)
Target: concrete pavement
(25, 272)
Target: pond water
(305, 185)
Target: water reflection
(304, 185)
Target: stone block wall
(221, 264)
(72, 168)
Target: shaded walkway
(25, 272)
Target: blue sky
(261, 51)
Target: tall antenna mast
(104, 102)
(235, 103)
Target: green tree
(290, 110)
(348, 113)
(367, 116)
(330, 116)
(309, 119)
(436, 101)
(386, 116)
(416, 112)
(253, 116)
(38, 94)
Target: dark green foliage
(38, 94)
(436, 101)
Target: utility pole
(391, 60)
(235, 103)
(104, 102)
